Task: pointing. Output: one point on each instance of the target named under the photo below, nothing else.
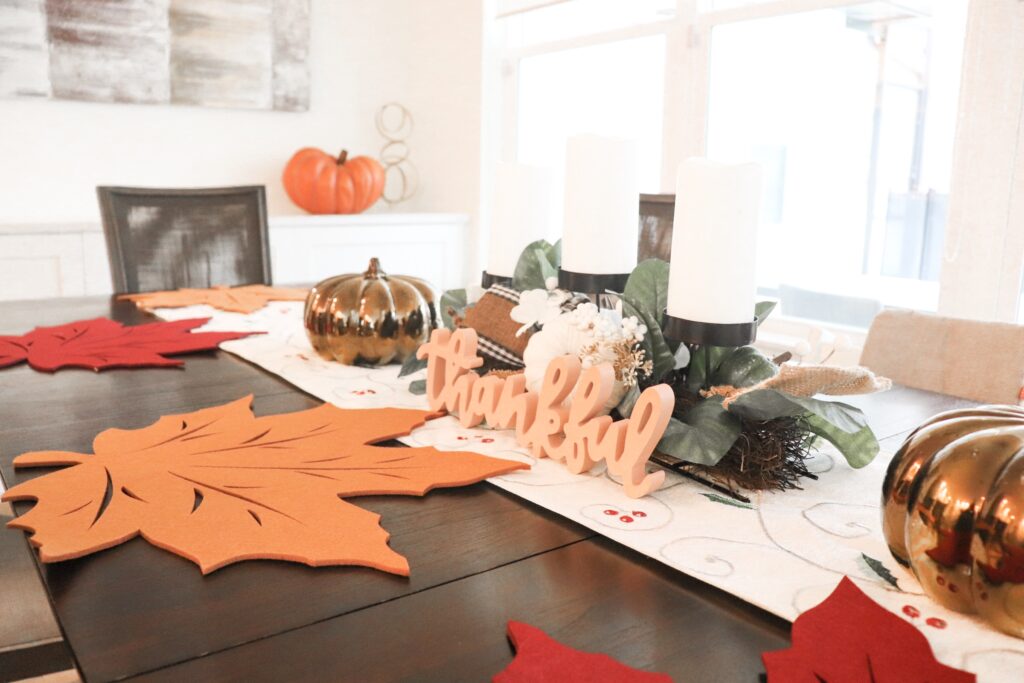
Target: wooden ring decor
(953, 510)
(542, 422)
(394, 122)
(321, 183)
(371, 318)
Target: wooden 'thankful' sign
(574, 434)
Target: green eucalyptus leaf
(625, 406)
(859, 447)
(704, 435)
(539, 261)
(419, 387)
(654, 344)
(648, 285)
(768, 404)
(546, 268)
(763, 309)
(455, 299)
(701, 358)
(412, 364)
(744, 367)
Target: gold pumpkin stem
(343, 157)
(373, 271)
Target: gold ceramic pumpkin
(371, 318)
(953, 510)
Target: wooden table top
(479, 558)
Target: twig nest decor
(371, 318)
(593, 336)
(952, 505)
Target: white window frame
(984, 257)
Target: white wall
(425, 55)
(983, 265)
(443, 60)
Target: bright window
(851, 110)
(612, 89)
(856, 144)
(566, 20)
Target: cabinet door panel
(40, 266)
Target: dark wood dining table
(479, 556)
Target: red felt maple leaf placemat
(101, 343)
(850, 638)
(245, 299)
(219, 485)
(542, 659)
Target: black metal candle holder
(487, 280)
(591, 283)
(696, 333)
(595, 285)
(700, 336)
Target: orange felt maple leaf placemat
(245, 299)
(220, 485)
(102, 343)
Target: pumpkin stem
(343, 157)
(373, 271)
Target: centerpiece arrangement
(741, 421)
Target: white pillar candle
(520, 214)
(714, 239)
(602, 206)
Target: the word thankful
(541, 421)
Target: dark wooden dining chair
(656, 216)
(167, 239)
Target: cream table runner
(784, 553)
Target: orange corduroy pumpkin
(320, 183)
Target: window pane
(582, 17)
(613, 89)
(852, 112)
(878, 7)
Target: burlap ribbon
(808, 380)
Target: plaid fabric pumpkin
(492, 320)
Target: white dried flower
(594, 336)
(536, 307)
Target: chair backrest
(656, 217)
(166, 239)
(981, 361)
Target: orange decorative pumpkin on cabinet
(320, 183)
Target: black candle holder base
(709, 334)
(487, 280)
(591, 283)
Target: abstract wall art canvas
(249, 54)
